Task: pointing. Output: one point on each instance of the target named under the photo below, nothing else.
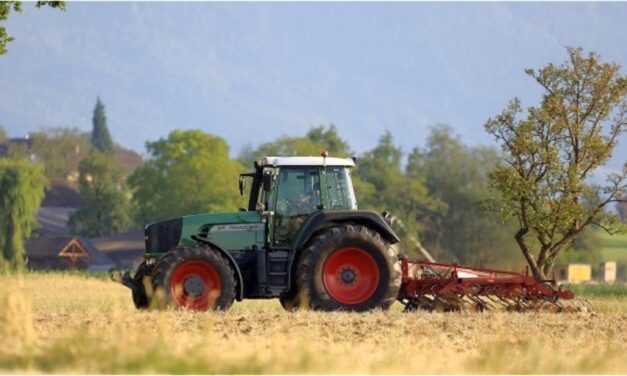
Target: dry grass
(74, 324)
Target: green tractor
(301, 239)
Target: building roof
(129, 159)
(305, 161)
(23, 142)
(130, 240)
(125, 248)
(61, 194)
(46, 246)
(52, 246)
(53, 221)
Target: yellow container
(578, 273)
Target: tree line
(529, 201)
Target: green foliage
(315, 141)
(329, 140)
(594, 291)
(16, 6)
(100, 136)
(104, 198)
(22, 185)
(457, 175)
(189, 172)
(3, 134)
(586, 249)
(60, 150)
(380, 184)
(552, 152)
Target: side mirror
(267, 181)
(242, 185)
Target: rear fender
(321, 220)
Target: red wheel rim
(350, 275)
(195, 284)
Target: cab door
(297, 195)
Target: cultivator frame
(434, 286)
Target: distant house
(60, 194)
(59, 203)
(21, 146)
(126, 248)
(52, 246)
(65, 253)
(129, 159)
(53, 221)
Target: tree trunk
(535, 269)
(547, 268)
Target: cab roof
(305, 161)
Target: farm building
(20, 146)
(52, 246)
(126, 248)
(65, 253)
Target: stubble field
(76, 324)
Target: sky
(251, 72)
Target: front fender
(239, 294)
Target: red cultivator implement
(449, 287)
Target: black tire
(142, 276)
(169, 293)
(289, 301)
(312, 283)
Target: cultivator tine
(474, 303)
(441, 304)
(586, 305)
(489, 303)
(502, 303)
(577, 305)
(449, 287)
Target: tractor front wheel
(349, 267)
(289, 301)
(142, 276)
(194, 277)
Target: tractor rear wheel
(194, 277)
(349, 267)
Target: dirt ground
(75, 324)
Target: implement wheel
(349, 267)
(194, 277)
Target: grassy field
(75, 324)
(614, 247)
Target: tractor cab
(286, 190)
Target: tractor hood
(231, 231)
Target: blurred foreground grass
(66, 323)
